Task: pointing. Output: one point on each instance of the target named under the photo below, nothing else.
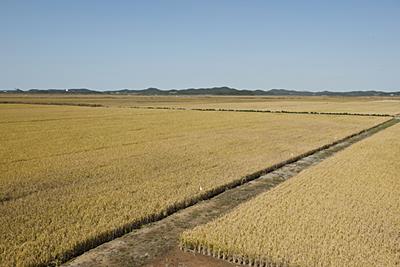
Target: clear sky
(306, 45)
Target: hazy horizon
(293, 45)
(167, 89)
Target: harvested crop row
(73, 177)
(343, 212)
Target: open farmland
(73, 177)
(343, 212)
(362, 105)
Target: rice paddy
(344, 211)
(74, 177)
(361, 105)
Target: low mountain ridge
(219, 91)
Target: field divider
(204, 109)
(268, 111)
(55, 104)
(210, 194)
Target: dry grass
(363, 105)
(343, 212)
(73, 177)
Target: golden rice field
(363, 105)
(73, 177)
(344, 211)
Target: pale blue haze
(305, 45)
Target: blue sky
(304, 45)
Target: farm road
(156, 244)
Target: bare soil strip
(154, 243)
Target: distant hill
(60, 91)
(221, 91)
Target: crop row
(269, 111)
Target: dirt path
(155, 244)
(178, 258)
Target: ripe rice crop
(362, 105)
(73, 177)
(344, 211)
